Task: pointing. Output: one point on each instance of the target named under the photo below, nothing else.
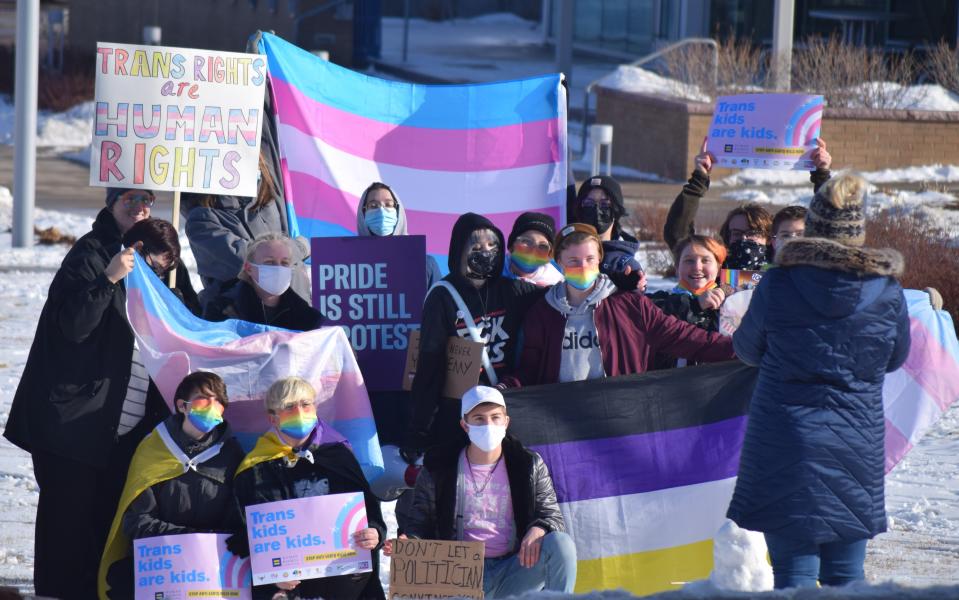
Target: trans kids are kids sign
(177, 119)
(766, 131)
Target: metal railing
(647, 59)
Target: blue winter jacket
(824, 328)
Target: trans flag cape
(644, 466)
(250, 357)
(498, 149)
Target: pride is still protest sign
(307, 538)
(177, 119)
(766, 131)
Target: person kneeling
(495, 491)
(303, 457)
(180, 480)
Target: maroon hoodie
(631, 330)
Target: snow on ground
(636, 80)
(922, 493)
(69, 129)
(928, 174)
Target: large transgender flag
(250, 357)
(497, 149)
(644, 466)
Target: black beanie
(612, 188)
(114, 193)
(535, 221)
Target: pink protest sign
(766, 131)
(195, 565)
(307, 538)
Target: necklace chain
(476, 489)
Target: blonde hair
(843, 191)
(260, 240)
(289, 389)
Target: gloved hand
(238, 544)
(935, 298)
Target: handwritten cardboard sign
(307, 538)
(177, 119)
(766, 131)
(373, 287)
(740, 279)
(194, 565)
(436, 569)
(464, 360)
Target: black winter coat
(238, 300)
(824, 328)
(685, 308)
(334, 471)
(433, 513)
(69, 398)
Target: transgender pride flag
(498, 149)
(250, 357)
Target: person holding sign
(696, 298)
(82, 374)
(261, 293)
(530, 246)
(746, 230)
(824, 327)
(180, 481)
(495, 491)
(300, 457)
(221, 229)
(380, 213)
(473, 301)
(583, 329)
(599, 203)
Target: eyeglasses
(789, 235)
(374, 204)
(748, 234)
(606, 202)
(531, 245)
(129, 199)
(306, 405)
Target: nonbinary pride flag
(250, 357)
(498, 149)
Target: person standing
(824, 327)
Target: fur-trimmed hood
(827, 254)
(838, 280)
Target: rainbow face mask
(581, 278)
(296, 423)
(204, 414)
(526, 259)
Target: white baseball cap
(481, 394)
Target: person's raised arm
(682, 213)
(822, 160)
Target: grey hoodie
(581, 358)
(433, 273)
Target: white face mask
(487, 437)
(273, 279)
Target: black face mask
(481, 263)
(746, 254)
(599, 216)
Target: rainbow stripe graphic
(445, 149)
(580, 277)
(205, 414)
(804, 124)
(528, 260)
(250, 357)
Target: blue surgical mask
(381, 221)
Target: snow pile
(739, 563)
(914, 97)
(627, 78)
(927, 173)
(69, 129)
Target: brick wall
(662, 135)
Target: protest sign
(464, 359)
(374, 288)
(307, 538)
(177, 119)
(436, 569)
(192, 565)
(740, 279)
(766, 131)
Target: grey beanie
(837, 213)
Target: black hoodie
(498, 309)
